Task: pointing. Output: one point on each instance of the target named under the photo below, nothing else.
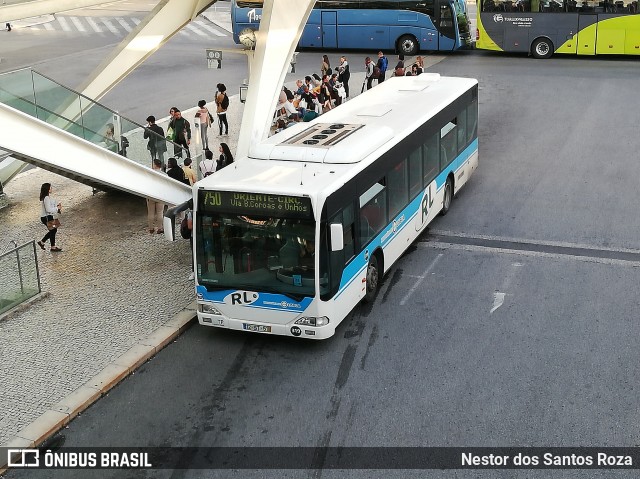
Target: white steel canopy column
(280, 29)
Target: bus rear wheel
(408, 45)
(448, 196)
(373, 279)
(542, 48)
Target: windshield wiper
(213, 286)
(294, 296)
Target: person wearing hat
(157, 144)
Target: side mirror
(337, 237)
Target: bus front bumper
(290, 329)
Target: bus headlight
(313, 321)
(209, 309)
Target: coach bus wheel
(448, 196)
(373, 279)
(408, 45)
(542, 48)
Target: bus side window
(472, 120)
(398, 188)
(462, 130)
(348, 231)
(448, 146)
(415, 172)
(431, 159)
(373, 210)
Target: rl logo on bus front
(241, 298)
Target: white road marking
(195, 30)
(209, 28)
(498, 299)
(63, 23)
(532, 254)
(498, 296)
(48, 26)
(109, 25)
(420, 279)
(78, 24)
(94, 25)
(124, 24)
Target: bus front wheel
(448, 196)
(408, 45)
(373, 279)
(542, 48)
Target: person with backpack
(382, 65)
(369, 73)
(207, 166)
(222, 102)
(203, 117)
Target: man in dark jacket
(182, 130)
(157, 144)
(382, 64)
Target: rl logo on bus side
(427, 203)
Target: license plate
(256, 328)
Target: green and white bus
(545, 27)
(288, 240)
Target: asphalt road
(512, 323)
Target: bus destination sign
(256, 204)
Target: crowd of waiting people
(178, 135)
(319, 93)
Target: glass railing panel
(17, 84)
(16, 90)
(56, 98)
(57, 105)
(133, 143)
(22, 104)
(98, 119)
(19, 279)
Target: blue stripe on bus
(358, 264)
(270, 301)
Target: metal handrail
(35, 256)
(15, 246)
(51, 112)
(90, 100)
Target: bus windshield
(272, 253)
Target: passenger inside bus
(307, 254)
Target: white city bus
(289, 240)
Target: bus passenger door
(587, 27)
(329, 29)
(446, 27)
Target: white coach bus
(289, 240)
